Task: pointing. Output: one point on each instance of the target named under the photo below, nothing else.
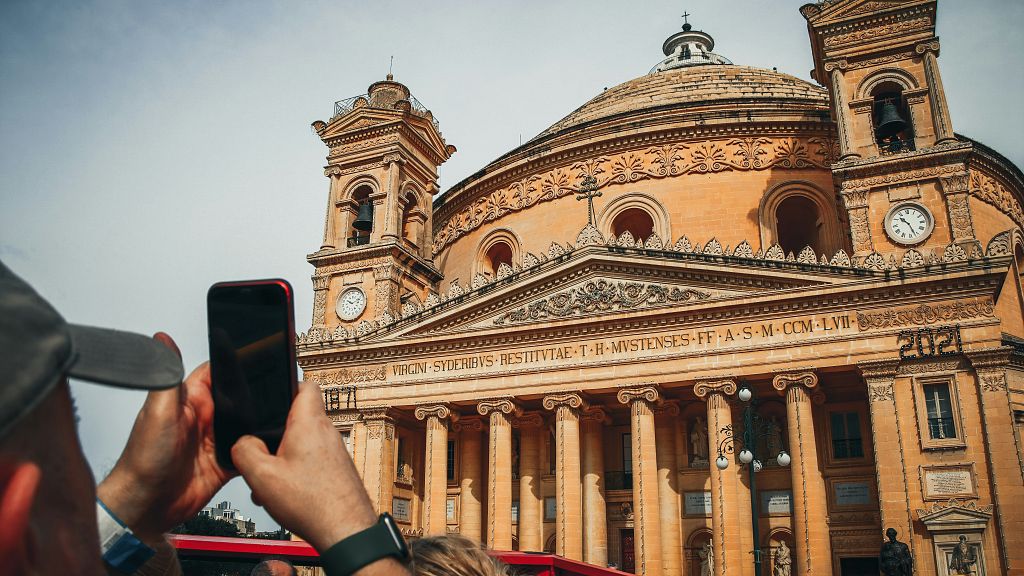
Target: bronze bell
(364, 220)
(890, 123)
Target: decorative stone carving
(999, 245)
(781, 382)
(504, 405)
(743, 250)
(840, 259)
(912, 259)
(589, 236)
(504, 271)
(713, 247)
(880, 393)
(683, 245)
(626, 240)
(410, 308)
(555, 250)
(993, 382)
(479, 281)
(570, 399)
(386, 319)
(653, 242)
(775, 253)
(440, 411)
(725, 386)
(455, 289)
(954, 253)
(347, 376)
(926, 314)
(807, 256)
(432, 301)
(993, 192)
(875, 262)
(649, 394)
(898, 27)
(365, 327)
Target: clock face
(351, 304)
(908, 223)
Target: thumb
(249, 454)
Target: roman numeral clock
(909, 223)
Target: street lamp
(754, 427)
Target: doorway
(628, 551)
(858, 566)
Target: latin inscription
(852, 493)
(776, 502)
(710, 339)
(948, 482)
(400, 509)
(697, 503)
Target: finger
(198, 392)
(309, 400)
(248, 454)
(255, 499)
(166, 340)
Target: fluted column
(568, 481)
(379, 475)
(647, 532)
(435, 467)
(595, 521)
(726, 504)
(499, 471)
(531, 500)
(668, 487)
(936, 94)
(810, 530)
(471, 478)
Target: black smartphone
(252, 361)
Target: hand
(311, 485)
(168, 470)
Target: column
(320, 286)
(842, 111)
(665, 419)
(391, 216)
(435, 467)
(810, 529)
(332, 172)
(1003, 452)
(499, 471)
(379, 475)
(936, 94)
(956, 189)
(887, 444)
(647, 523)
(531, 500)
(726, 504)
(595, 509)
(471, 478)
(568, 481)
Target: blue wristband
(120, 548)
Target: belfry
(717, 320)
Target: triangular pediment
(843, 10)
(359, 119)
(954, 513)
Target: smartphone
(252, 361)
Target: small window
(798, 223)
(847, 441)
(940, 411)
(499, 253)
(894, 131)
(627, 453)
(450, 461)
(635, 221)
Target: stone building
(550, 355)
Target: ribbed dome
(692, 86)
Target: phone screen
(252, 361)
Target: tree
(203, 525)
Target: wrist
(125, 500)
(323, 539)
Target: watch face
(908, 223)
(351, 304)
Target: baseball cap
(38, 347)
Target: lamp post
(754, 427)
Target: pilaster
(810, 529)
(665, 418)
(500, 412)
(647, 532)
(936, 94)
(435, 471)
(568, 480)
(393, 162)
(379, 475)
(961, 225)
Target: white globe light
(784, 458)
(746, 456)
(722, 462)
(757, 466)
(745, 394)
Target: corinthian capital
(441, 411)
(724, 386)
(649, 394)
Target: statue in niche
(707, 559)
(699, 442)
(895, 558)
(963, 559)
(773, 443)
(783, 562)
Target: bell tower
(902, 171)
(384, 151)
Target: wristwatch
(381, 540)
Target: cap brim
(123, 359)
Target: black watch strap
(381, 540)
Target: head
(47, 492)
(891, 534)
(963, 538)
(452, 555)
(274, 567)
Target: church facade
(717, 313)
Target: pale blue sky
(151, 149)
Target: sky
(150, 149)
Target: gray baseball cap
(38, 348)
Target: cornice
(344, 259)
(990, 359)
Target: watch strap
(120, 549)
(363, 548)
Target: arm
(311, 485)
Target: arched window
(413, 220)
(798, 224)
(362, 224)
(499, 249)
(498, 254)
(891, 119)
(798, 214)
(636, 221)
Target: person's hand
(311, 485)
(168, 470)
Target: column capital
(377, 414)
(668, 408)
(469, 424)
(879, 371)
(568, 399)
(931, 46)
(990, 359)
(529, 421)
(650, 394)
(782, 382)
(503, 405)
(596, 414)
(442, 411)
(723, 386)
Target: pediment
(843, 10)
(954, 514)
(359, 119)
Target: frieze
(349, 376)
(993, 192)
(899, 27)
(926, 314)
(993, 382)
(600, 296)
(656, 162)
(928, 367)
(363, 144)
(900, 177)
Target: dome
(693, 86)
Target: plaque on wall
(550, 509)
(776, 502)
(400, 509)
(450, 510)
(852, 493)
(944, 482)
(697, 503)
(515, 511)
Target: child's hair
(453, 555)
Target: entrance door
(858, 566)
(628, 551)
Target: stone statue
(699, 439)
(963, 559)
(707, 559)
(895, 558)
(774, 438)
(783, 560)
